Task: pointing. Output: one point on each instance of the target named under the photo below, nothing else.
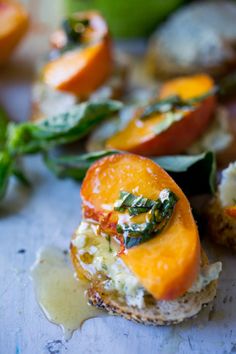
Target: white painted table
(48, 214)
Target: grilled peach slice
(231, 211)
(140, 136)
(80, 72)
(167, 264)
(13, 26)
(84, 68)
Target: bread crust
(154, 312)
(221, 227)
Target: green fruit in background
(127, 18)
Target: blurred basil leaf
(195, 174)
(4, 120)
(5, 172)
(60, 129)
(74, 167)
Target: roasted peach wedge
(154, 132)
(167, 261)
(86, 60)
(230, 211)
(13, 26)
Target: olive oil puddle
(60, 295)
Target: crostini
(85, 55)
(82, 65)
(173, 122)
(13, 26)
(221, 211)
(138, 244)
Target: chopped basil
(174, 103)
(4, 120)
(74, 167)
(74, 28)
(158, 212)
(135, 205)
(5, 171)
(170, 118)
(166, 105)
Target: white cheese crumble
(103, 253)
(207, 274)
(217, 137)
(104, 259)
(50, 101)
(227, 186)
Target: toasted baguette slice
(155, 312)
(221, 227)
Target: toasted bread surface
(154, 312)
(221, 227)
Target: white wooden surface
(48, 214)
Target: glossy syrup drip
(60, 295)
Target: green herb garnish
(174, 108)
(60, 129)
(74, 167)
(195, 174)
(3, 127)
(74, 28)
(27, 138)
(165, 105)
(170, 118)
(134, 204)
(158, 212)
(175, 103)
(5, 171)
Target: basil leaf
(170, 118)
(60, 129)
(180, 163)
(162, 106)
(5, 172)
(74, 166)
(74, 28)
(159, 213)
(21, 177)
(4, 120)
(194, 174)
(135, 205)
(175, 102)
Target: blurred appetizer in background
(171, 123)
(138, 244)
(184, 117)
(221, 211)
(128, 19)
(82, 65)
(84, 55)
(14, 22)
(199, 37)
